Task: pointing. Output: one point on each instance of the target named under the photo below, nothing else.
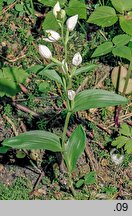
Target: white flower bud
(71, 22)
(62, 14)
(77, 59)
(64, 66)
(71, 94)
(45, 52)
(56, 9)
(115, 159)
(53, 36)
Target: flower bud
(56, 9)
(77, 59)
(71, 22)
(62, 14)
(64, 66)
(45, 52)
(71, 94)
(53, 36)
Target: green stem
(65, 44)
(127, 78)
(31, 2)
(65, 129)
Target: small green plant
(63, 71)
(106, 16)
(124, 139)
(88, 179)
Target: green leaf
(125, 130)
(123, 52)
(128, 146)
(121, 40)
(20, 154)
(74, 148)
(103, 49)
(10, 77)
(50, 22)
(120, 141)
(85, 69)
(122, 5)
(77, 7)
(4, 149)
(79, 183)
(35, 69)
(126, 24)
(51, 3)
(103, 16)
(96, 98)
(19, 7)
(44, 86)
(52, 75)
(90, 178)
(35, 140)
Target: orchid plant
(70, 148)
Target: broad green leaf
(35, 69)
(122, 5)
(103, 49)
(51, 74)
(35, 140)
(90, 178)
(126, 24)
(10, 77)
(79, 183)
(96, 98)
(128, 146)
(123, 52)
(74, 147)
(50, 22)
(19, 7)
(77, 7)
(51, 3)
(121, 40)
(125, 130)
(4, 149)
(120, 141)
(103, 16)
(85, 69)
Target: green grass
(17, 191)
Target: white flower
(71, 22)
(64, 66)
(115, 158)
(53, 36)
(45, 52)
(77, 59)
(56, 9)
(71, 94)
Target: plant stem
(65, 129)
(127, 78)
(71, 185)
(65, 44)
(33, 13)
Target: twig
(91, 158)
(25, 109)
(82, 85)
(8, 7)
(38, 180)
(11, 123)
(100, 81)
